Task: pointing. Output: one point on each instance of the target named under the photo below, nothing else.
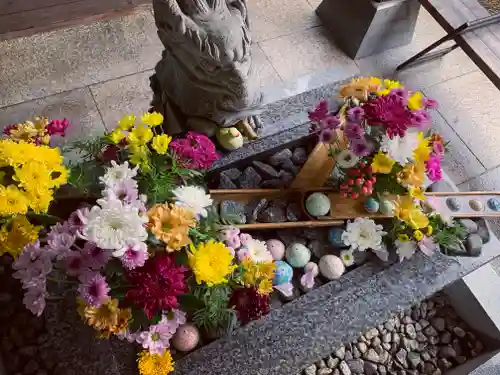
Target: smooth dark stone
(494, 204)
(453, 204)
(250, 179)
(266, 170)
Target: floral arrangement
(384, 148)
(30, 173)
(149, 260)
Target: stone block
(362, 27)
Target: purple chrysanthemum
(196, 151)
(401, 93)
(330, 122)
(75, 263)
(355, 114)
(95, 257)
(134, 256)
(353, 130)
(94, 289)
(327, 136)
(319, 112)
(361, 147)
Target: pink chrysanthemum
(95, 257)
(353, 130)
(134, 256)
(75, 263)
(157, 338)
(433, 166)
(196, 151)
(94, 289)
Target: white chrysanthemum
(193, 198)
(362, 234)
(405, 249)
(346, 159)
(118, 173)
(257, 251)
(347, 257)
(400, 148)
(113, 224)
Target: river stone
(447, 352)
(231, 173)
(433, 340)
(265, 170)
(272, 214)
(376, 342)
(275, 183)
(401, 357)
(476, 205)
(233, 211)
(362, 347)
(445, 338)
(473, 245)
(355, 352)
(444, 364)
(484, 233)
(293, 211)
(439, 323)
(344, 368)
(332, 362)
(493, 204)
(410, 331)
(356, 366)
(421, 337)
(370, 334)
(226, 183)
(424, 323)
(453, 204)
(340, 352)
(280, 157)
(336, 372)
(299, 156)
(382, 370)
(348, 355)
(371, 355)
(414, 359)
(370, 368)
(249, 179)
(389, 326)
(320, 364)
(459, 332)
(254, 208)
(324, 371)
(469, 225)
(310, 370)
(387, 337)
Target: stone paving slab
(62, 60)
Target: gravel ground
(493, 6)
(430, 339)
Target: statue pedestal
(363, 27)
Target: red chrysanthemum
(249, 304)
(391, 112)
(157, 285)
(196, 151)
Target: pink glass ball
(186, 338)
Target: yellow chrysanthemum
(39, 199)
(429, 230)
(140, 135)
(403, 205)
(170, 224)
(127, 122)
(417, 193)
(403, 237)
(418, 235)
(139, 156)
(417, 219)
(415, 101)
(258, 274)
(33, 175)
(116, 136)
(360, 87)
(20, 234)
(382, 163)
(101, 318)
(388, 86)
(12, 201)
(59, 176)
(413, 174)
(152, 119)
(160, 143)
(155, 364)
(211, 262)
(423, 150)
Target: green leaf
(139, 320)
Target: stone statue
(204, 80)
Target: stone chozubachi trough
(300, 332)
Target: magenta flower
(361, 147)
(433, 166)
(353, 130)
(402, 94)
(327, 136)
(157, 338)
(58, 127)
(95, 257)
(430, 103)
(8, 129)
(355, 114)
(94, 289)
(319, 112)
(196, 151)
(330, 122)
(389, 112)
(134, 256)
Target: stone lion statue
(205, 79)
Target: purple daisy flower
(330, 122)
(353, 130)
(157, 338)
(94, 289)
(75, 263)
(361, 147)
(355, 114)
(134, 256)
(327, 136)
(400, 93)
(319, 112)
(95, 257)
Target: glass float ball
(186, 338)
(317, 204)
(276, 248)
(297, 255)
(371, 205)
(283, 273)
(453, 204)
(494, 204)
(387, 207)
(476, 205)
(335, 237)
(331, 267)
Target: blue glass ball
(494, 204)
(335, 237)
(371, 205)
(283, 273)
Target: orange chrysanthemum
(170, 224)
